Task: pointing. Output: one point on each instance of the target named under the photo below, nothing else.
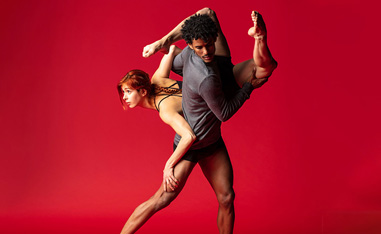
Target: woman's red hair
(135, 79)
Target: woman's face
(132, 97)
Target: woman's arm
(182, 128)
(169, 113)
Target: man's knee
(226, 199)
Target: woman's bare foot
(258, 31)
(171, 49)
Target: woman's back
(168, 94)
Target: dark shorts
(198, 154)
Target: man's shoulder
(186, 51)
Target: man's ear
(190, 46)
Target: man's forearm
(173, 36)
(222, 107)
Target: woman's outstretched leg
(262, 64)
(159, 200)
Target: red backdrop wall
(305, 147)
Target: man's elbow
(206, 11)
(223, 118)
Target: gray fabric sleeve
(178, 62)
(211, 91)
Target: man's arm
(175, 35)
(223, 108)
(222, 48)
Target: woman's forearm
(184, 144)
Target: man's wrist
(168, 40)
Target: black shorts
(198, 154)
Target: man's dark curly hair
(199, 26)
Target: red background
(305, 148)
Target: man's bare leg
(159, 200)
(219, 172)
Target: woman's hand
(169, 180)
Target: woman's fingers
(170, 184)
(169, 180)
(165, 185)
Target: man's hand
(257, 82)
(169, 180)
(258, 31)
(151, 49)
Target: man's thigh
(218, 170)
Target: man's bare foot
(258, 31)
(151, 49)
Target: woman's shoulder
(168, 83)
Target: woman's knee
(163, 200)
(226, 199)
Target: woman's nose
(125, 96)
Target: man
(210, 96)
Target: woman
(164, 95)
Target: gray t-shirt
(204, 103)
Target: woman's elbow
(190, 137)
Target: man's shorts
(198, 154)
